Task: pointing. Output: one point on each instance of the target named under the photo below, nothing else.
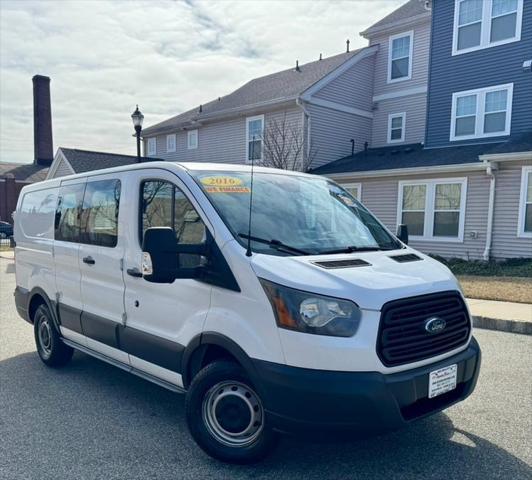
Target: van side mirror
(402, 233)
(163, 253)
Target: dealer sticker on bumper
(442, 380)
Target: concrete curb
(502, 325)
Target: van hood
(369, 286)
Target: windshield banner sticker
(224, 184)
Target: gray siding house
(461, 176)
(325, 104)
(429, 125)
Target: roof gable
(269, 89)
(86, 160)
(411, 10)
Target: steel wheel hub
(233, 413)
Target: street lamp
(137, 118)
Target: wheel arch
(211, 346)
(39, 297)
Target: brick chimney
(42, 121)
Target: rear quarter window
(37, 212)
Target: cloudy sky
(167, 56)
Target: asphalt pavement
(93, 421)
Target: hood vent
(408, 257)
(348, 263)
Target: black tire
(52, 351)
(220, 382)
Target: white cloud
(167, 56)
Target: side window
(165, 205)
(99, 213)
(67, 215)
(37, 213)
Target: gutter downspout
(490, 171)
(306, 113)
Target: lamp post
(137, 118)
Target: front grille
(350, 262)
(402, 334)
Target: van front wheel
(226, 416)
(52, 351)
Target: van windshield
(293, 214)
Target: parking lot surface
(90, 420)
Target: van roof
(189, 166)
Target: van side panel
(34, 233)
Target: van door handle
(134, 272)
(89, 260)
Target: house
(14, 176)
(464, 184)
(323, 105)
(429, 125)
(68, 161)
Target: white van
(310, 316)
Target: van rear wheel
(52, 351)
(226, 416)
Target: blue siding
(478, 69)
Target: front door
(162, 318)
(101, 254)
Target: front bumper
(299, 399)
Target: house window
(254, 133)
(400, 57)
(152, 146)
(433, 209)
(192, 139)
(486, 23)
(354, 189)
(396, 127)
(170, 143)
(413, 208)
(485, 112)
(525, 205)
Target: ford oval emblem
(435, 325)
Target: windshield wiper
(275, 244)
(353, 248)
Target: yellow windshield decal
(222, 181)
(236, 189)
(224, 184)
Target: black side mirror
(161, 246)
(402, 233)
(163, 250)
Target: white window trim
(430, 196)
(190, 134)
(169, 148)
(248, 120)
(485, 28)
(522, 203)
(358, 186)
(391, 116)
(410, 56)
(479, 114)
(152, 146)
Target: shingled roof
(274, 88)
(87, 160)
(406, 12)
(23, 172)
(414, 155)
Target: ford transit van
(275, 300)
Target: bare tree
(284, 146)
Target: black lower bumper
(298, 399)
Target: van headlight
(312, 313)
